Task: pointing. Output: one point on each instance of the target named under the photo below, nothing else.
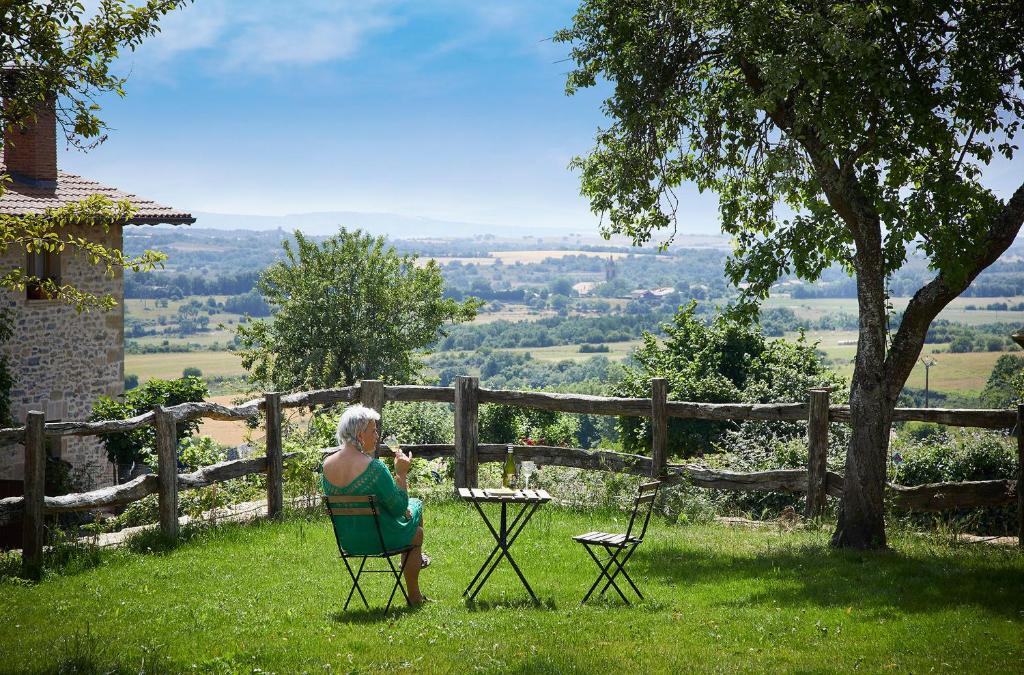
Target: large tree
(346, 309)
(60, 49)
(833, 132)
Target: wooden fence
(815, 481)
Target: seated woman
(354, 471)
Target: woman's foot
(419, 599)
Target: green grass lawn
(270, 597)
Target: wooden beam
(275, 465)
(659, 426)
(33, 533)
(1020, 475)
(167, 470)
(571, 403)
(817, 452)
(467, 431)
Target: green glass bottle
(510, 468)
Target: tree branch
(839, 183)
(936, 294)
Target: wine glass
(391, 443)
(527, 468)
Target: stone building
(62, 360)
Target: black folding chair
(619, 547)
(365, 506)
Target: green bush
(958, 456)
(135, 446)
(923, 431)
(727, 361)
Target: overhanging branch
(936, 294)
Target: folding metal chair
(619, 547)
(365, 506)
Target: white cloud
(247, 34)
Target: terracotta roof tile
(19, 199)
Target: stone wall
(62, 360)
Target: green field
(269, 597)
(815, 308)
(147, 310)
(965, 373)
(169, 366)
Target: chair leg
(612, 554)
(355, 583)
(602, 574)
(398, 581)
(621, 565)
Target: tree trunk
(861, 522)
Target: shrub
(134, 446)
(192, 371)
(956, 456)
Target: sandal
(424, 560)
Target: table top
(515, 497)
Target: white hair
(354, 422)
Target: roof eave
(159, 220)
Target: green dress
(357, 534)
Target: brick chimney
(30, 148)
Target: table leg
(497, 537)
(504, 544)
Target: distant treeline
(549, 332)
(177, 285)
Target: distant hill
(389, 224)
(397, 226)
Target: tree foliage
(134, 446)
(58, 48)
(1000, 390)
(726, 361)
(346, 309)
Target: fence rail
(815, 481)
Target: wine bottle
(510, 468)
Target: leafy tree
(1000, 391)
(833, 132)
(346, 309)
(724, 362)
(135, 446)
(52, 49)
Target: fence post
(34, 482)
(817, 451)
(467, 432)
(167, 470)
(1020, 475)
(275, 466)
(371, 394)
(659, 426)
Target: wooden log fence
(466, 396)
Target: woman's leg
(411, 562)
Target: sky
(450, 109)
(453, 110)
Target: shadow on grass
(885, 582)
(373, 614)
